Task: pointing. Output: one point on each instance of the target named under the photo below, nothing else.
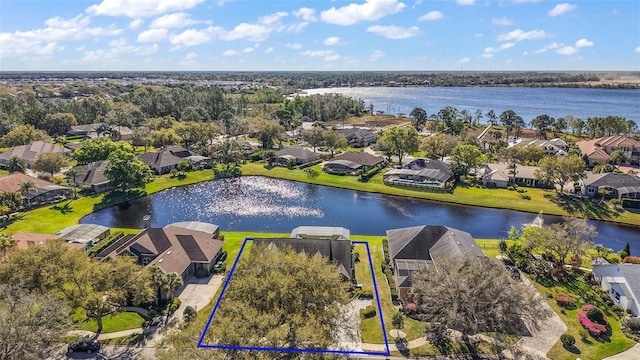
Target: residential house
(351, 161)
(30, 152)
(622, 283)
(92, 176)
(335, 251)
(618, 186)
(412, 249)
(553, 147)
(424, 173)
(358, 137)
(320, 232)
(45, 193)
(598, 151)
(297, 154)
(89, 131)
(85, 234)
(500, 175)
(168, 158)
(182, 247)
(24, 240)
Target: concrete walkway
(631, 354)
(113, 335)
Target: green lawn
(593, 348)
(111, 323)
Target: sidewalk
(631, 354)
(113, 335)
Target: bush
(594, 328)
(368, 312)
(189, 314)
(173, 306)
(633, 324)
(595, 315)
(564, 301)
(631, 260)
(220, 269)
(567, 340)
(618, 310)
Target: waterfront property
(92, 176)
(598, 151)
(611, 186)
(337, 251)
(500, 174)
(85, 234)
(168, 158)
(30, 152)
(295, 154)
(348, 163)
(183, 248)
(321, 232)
(421, 173)
(622, 283)
(412, 249)
(45, 192)
(554, 147)
(358, 137)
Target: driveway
(197, 293)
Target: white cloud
(466, 2)
(561, 9)
(431, 15)
(377, 54)
(566, 50)
(191, 37)
(247, 50)
(134, 24)
(519, 35)
(524, 1)
(118, 50)
(464, 60)
(478, 35)
(394, 32)
(354, 13)
(251, 32)
(230, 53)
(269, 50)
(305, 14)
(272, 19)
(584, 43)
(490, 51)
(503, 21)
(294, 46)
(333, 57)
(637, 49)
(176, 20)
(333, 40)
(153, 35)
(140, 8)
(318, 53)
(297, 27)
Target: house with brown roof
(24, 240)
(296, 154)
(168, 158)
(46, 192)
(30, 152)
(598, 151)
(92, 176)
(500, 175)
(351, 161)
(412, 249)
(183, 247)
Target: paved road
(108, 352)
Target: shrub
(631, 260)
(594, 328)
(174, 305)
(595, 315)
(633, 324)
(189, 314)
(368, 312)
(618, 310)
(567, 340)
(564, 301)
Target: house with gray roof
(297, 154)
(423, 173)
(30, 152)
(358, 137)
(168, 158)
(553, 147)
(92, 176)
(182, 248)
(500, 174)
(622, 283)
(412, 249)
(86, 234)
(351, 161)
(337, 252)
(619, 186)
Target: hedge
(368, 312)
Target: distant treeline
(292, 80)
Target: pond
(259, 204)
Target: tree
(23, 135)
(513, 171)
(334, 141)
(267, 131)
(49, 163)
(98, 149)
(438, 146)
(626, 251)
(16, 164)
(491, 115)
(125, 171)
(564, 240)
(397, 321)
(58, 123)
(465, 157)
(618, 157)
(172, 283)
(400, 141)
(314, 136)
(226, 119)
(27, 187)
(30, 324)
(577, 125)
(189, 314)
(141, 137)
(71, 176)
(9, 202)
(419, 117)
(228, 153)
(543, 124)
(304, 313)
(6, 243)
(561, 170)
(510, 119)
(473, 294)
(164, 137)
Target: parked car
(514, 271)
(85, 345)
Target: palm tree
(16, 164)
(72, 174)
(173, 282)
(509, 119)
(159, 280)
(618, 157)
(9, 201)
(6, 242)
(26, 187)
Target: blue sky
(256, 35)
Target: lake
(526, 102)
(260, 204)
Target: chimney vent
(146, 221)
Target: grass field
(110, 323)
